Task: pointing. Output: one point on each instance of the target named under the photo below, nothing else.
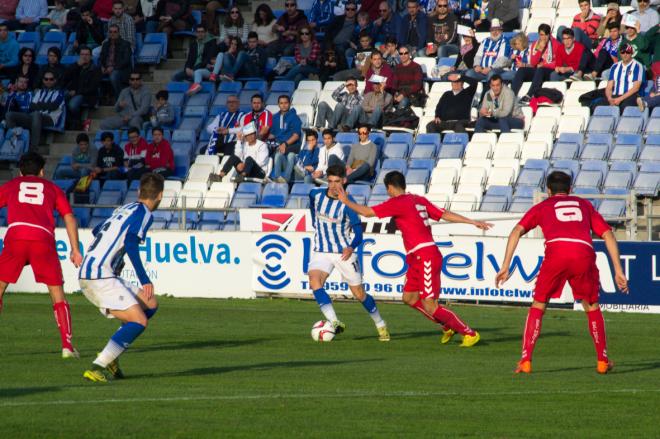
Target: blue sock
(370, 305)
(325, 303)
(127, 334)
(149, 312)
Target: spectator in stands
(453, 110)
(212, 14)
(135, 153)
(81, 81)
(161, 113)
(467, 52)
(347, 109)
(586, 21)
(250, 158)
(28, 15)
(479, 15)
(492, 56)
(362, 158)
(542, 62)
(263, 25)
(83, 159)
(573, 59)
(375, 102)
(390, 51)
(261, 118)
(89, 30)
(613, 16)
(234, 25)
(640, 42)
(328, 63)
(110, 159)
(321, 15)
(124, 22)
(174, 15)
(519, 55)
(18, 100)
(409, 79)
(115, 59)
(413, 27)
(225, 62)
(53, 65)
(647, 16)
(340, 33)
(287, 27)
(224, 128)
(56, 17)
(308, 158)
(160, 157)
(507, 12)
(285, 133)
(386, 25)
(250, 62)
(27, 66)
(360, 58)
(499, 109)
(9, 49)
(375, 65)
(653, 99)
(623, 85)
(363, 28)
(46, 110)
(330, 154)
(607, 52)
(132, 105)
(307, 56)
(102, 8)
(442, 34)
(201, 53)
(8, 11)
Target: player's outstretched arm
(456, 218)
(365, 211)
(71, 226)
(511, 245)
(613, 250)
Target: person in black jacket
(200, 52)
(466, 53)
(89, 31)
(27, 66)
(81, 81)
(453, 109)
(115, 59)
(173, 15)
(53, 65)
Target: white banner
(469, 267)
(182, 264)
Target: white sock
(378, 320)
(109, 353)
(329, 312)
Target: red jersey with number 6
(30, 202)
(565, 219)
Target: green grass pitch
(232, 368)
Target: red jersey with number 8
(30, 202)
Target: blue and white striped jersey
(105, 256)
(333, 222)
(624, 76)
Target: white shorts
(326, 262)
(110, 294)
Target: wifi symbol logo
(272, 249)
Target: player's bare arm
(456, 218)
(515, 235)
(72, 231)
(613, 250)
(365, 211)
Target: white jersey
(333, 222)
(104, 257)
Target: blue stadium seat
(379, 189)
(201, 99)
(653, 126)
(82, 214)
(298, 202)
(249, 188)
(174, 86)
(504, 191)
(647, 183)
(607, 111)
(360, 192)
(565, 151)
(182, 149)
(595, 151)
(256, 87)
(629, 166)
(633, 111)
(406, 138)
(618, 179)
(493, 203)
(197, 16)
(571, 138)
(612, 208)
(181, 165)
(379, 139)
(282, 87)
(460, 138)
(531, 177)
(301, 189)
(428, 138)
(520, 204)
(653, 139)
(65, 185)
(451, 151)
(595, 165)
(632, 125)
(233, 87)
(537, 164)
(569, 166)
(376, 199)
(423, 151)
(275, 195)
(427, 164)
(395, 150)
(184, 136)
(418, 176)
(131, 195)
(586, 178)
(134, 186)
(650, 153)
(398, 164)
(116, 185)
(346, 138)
(601, 124)
(13, 145)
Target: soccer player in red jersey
(30, 201)
(566, 222)
(422, 287)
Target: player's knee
(409, 299)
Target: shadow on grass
(252, 367)
(24, 391)
(200, 345)
(518, 337)
(635, 366)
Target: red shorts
(41, 255)
(577, 267)
(423, 275)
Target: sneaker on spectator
(574, 77)
(87, 125)
(525, 99)
(226, 78)
(588, 77)
(194, 88)
(641, 104)
(213, 77)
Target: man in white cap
(641, 43)
(646, 15)
(250, 157)
(375, 103)
(491, 58)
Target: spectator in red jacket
(586, 21)
(573, 59)
(103, 9)
(160, 158)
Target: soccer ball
(323, 331)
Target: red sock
(419, 306)
(451, 321)
(532, 332)
(63, 319)
(597, 331)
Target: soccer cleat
(524, 366)
(383, 334)
(447, 335)
(98, 374)
(604, 366)
(114, 369)
(339, 327)
(69, 353)
(470, 340)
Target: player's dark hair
(559, 182)
(336, 171)
(31, 163)
(82, 137)
(151, 185)
(107, 135)
(395, 179)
